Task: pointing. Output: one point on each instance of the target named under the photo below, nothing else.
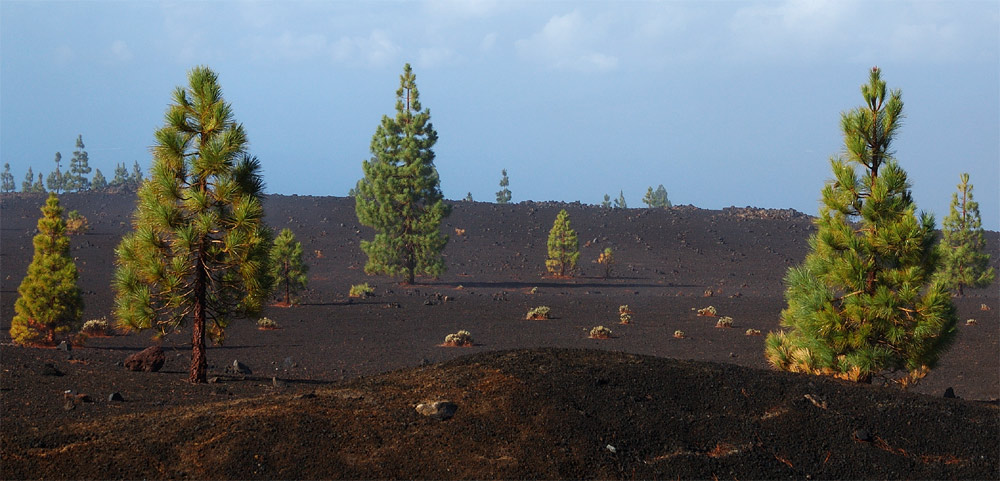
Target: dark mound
(543, 413)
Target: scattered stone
(239, 368)
(611, 448)
(863, 435)
(440, 410)
(65, 346)
(150, 359)
(949, 393)
(50, 370)
(116, 396)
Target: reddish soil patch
(700, 408)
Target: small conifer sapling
(563, 245)
(287, 267)
(963, 262)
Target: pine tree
(49, 301)
(606, 203)
(200, 249)
(656, 198)
(503, 196)
(78, 169)
(99, 184)
(400, 194)
(963, 262)
(564, 248)
(29, 178)
(56, 179)
(287, 268)
(620, 201)
(121, 177)
(38, 187)
(468, 197)
(862, 304)
(7, 179)
(136, 178)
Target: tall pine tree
(287, 268)
(200, 249)
(964, 264)
(49, 301)
(400, 194)
(7, 179)
(79, 167)
(56, 178)
(503, 196)
(862, 304)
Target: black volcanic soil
(696, 407)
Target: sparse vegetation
(963, 262)
(459, 339)
(563, 245)
(266, 324)
(361, 291)
(753, 332)
(76, 224)
(679, 334)
(707, 311)
(400, 194)
(724, 321)
(538, 313)
(49, 301)
(607, 259)
(96, 327)
(625, 314)
(600, 332)
(862, 304)
(970, 322)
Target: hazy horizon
(724, 103)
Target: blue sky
(724, 103)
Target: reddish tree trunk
(198, 360)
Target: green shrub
(679, 334)
(265, 323)
(361, 291)
(753, 332)
(96, 327)
(600, 332)
(538, 313)
(708, 311)
(459, 339)
(724, 321)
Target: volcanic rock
(150, 359)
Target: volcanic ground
(333, 390)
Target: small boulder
(116, 397)
(949, 393)
(65, 346)
(150, 359)
(239, 368)
(50, 370)
(440, 410)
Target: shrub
(265, 323)
(753, 332)
(600, 332)
(984, 307)
(96, 327)
(724, 321)
(606, 259)
(707, 311)
(459, 339)
(679, 334)
(534, 290)
(361, 291)
(76, 224)
(970, 322)
(538, 313)
(625, 314)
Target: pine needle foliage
(7, 179)
(287, 268)
(400, 194)
(79, 167)
(504, 195)
(49, 301)
(964, 264)
(657, 198)
(564, 247)
(862, 304)
(199, 250)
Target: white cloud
(377, 49)
(801, 26)
(120, 51)
(434, 56)
(464, 8)
(568, 42)
(489, 41)
(289, 46)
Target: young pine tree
(200, 249)
(620, 201)
(287, 268)
(657, 198)
(121, 177)
(400, 194)
(56, 179)
(7, 179)
(99, 184)
(49, 301)
(606, 203)
(964, 264)
(29, 178)
(38, 187)
(863, 304)
(564, 248)
(503, 196)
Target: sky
(723, 103)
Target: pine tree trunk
(198, 361)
